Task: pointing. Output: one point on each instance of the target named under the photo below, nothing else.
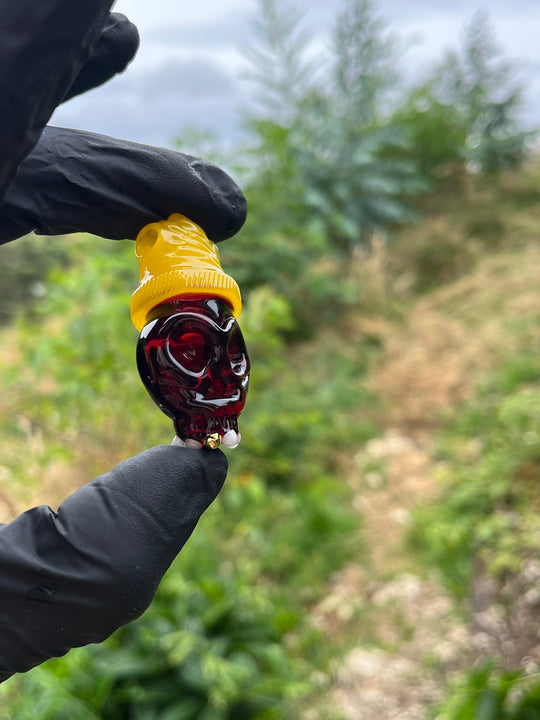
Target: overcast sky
(189, 69)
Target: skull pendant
(193, 361)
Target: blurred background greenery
(375, 553)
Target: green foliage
(366, 56)
(215, 642)
(488, 694)
(338, 158)
(24, 267)
(370, 183)
(294, 394)
(279, 69)
(481, 87)
(341, 151)
(82, 318)
(490, 454)
(436, 132)
(322, 175)
(465, 115)
(209, 648)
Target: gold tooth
(212, 441)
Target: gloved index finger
(76, 181)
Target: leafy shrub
(226, 635)
(489, 454)
(433, 257)
(488, 694)
(214, 643)
(208, 649)
(23, 270)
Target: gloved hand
(72, 577)
(75, 181)
(78, 181)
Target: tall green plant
(365, 58)
(436, 132)
(353, 158)
(279, 69)
(481, 85)
(331, 168)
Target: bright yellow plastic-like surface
(176, 258)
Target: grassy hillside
(375, 551)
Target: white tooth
(193, 444)
(231, 439)
(179, 443)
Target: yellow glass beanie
(176, 258)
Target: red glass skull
(193, 361)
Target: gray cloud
(154, 105)
(192, 78)
(420, 9)
(217, 33)
(185, 72)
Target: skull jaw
(202, 424)
(195, 417)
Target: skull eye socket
(191, 351)
(238, 354)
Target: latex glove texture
(73, 577)
(76, 181)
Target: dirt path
(413, 637)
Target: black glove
(44, 47)
(76, 181)
(73, 577)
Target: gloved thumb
(113, 51)
(73, 577)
